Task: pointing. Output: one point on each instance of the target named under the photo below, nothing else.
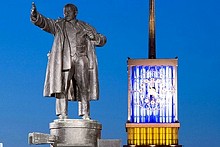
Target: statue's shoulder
(59, 20)
(85, 25)
(82, 22)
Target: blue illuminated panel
(152, 94)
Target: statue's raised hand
(33, 11)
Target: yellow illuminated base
(152, 133)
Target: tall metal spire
(152, 42)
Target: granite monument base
(75, 132)
(69, 133)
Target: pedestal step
(64, 145)
(109, 143)
(152, 146)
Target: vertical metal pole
(152, 44)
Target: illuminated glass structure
(152, 98)
(152, 102)
(153, 92)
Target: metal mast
(152, 44)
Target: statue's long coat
(58, 61)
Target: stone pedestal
(109, 143)
(75, 133)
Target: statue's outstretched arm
(39, 20)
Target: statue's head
(70, 11)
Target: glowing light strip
(149, 136)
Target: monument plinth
(73, 133)
(76, 132)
